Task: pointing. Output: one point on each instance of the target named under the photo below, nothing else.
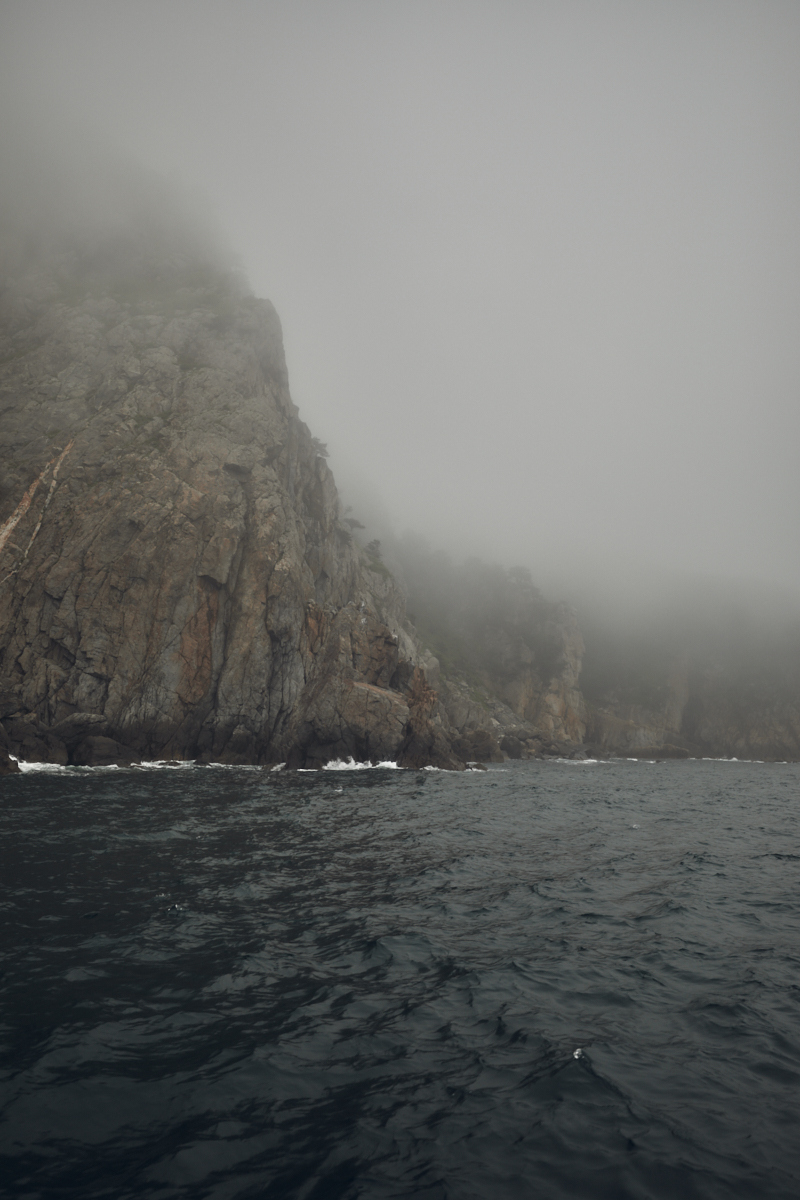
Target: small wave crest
(30, 768)
(350, 764)
(581, 762)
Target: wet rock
(27, 739)
(512, 746)
(177, 581)
(529, 659)
(75, 728)
(7, 764)
(102, 752)
(478, 744)
(425, 743)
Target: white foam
(30, 768)
(339, 764)
(166, 764)
(185, 765)
(41, 768)
(581, 762)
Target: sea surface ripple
(545, 980)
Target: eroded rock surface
(525, 704)
(176, 579)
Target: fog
(536, 263)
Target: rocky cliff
(175, 579)
(522, 704)
(509, 660)
(698, 702)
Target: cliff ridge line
(177, 581)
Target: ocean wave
(503, 947)
(38, 768)
(339, 764)
(582, 762)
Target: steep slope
(510, 661)
(714, 683)
(175, 580)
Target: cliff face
(719, 711)
(510, 660)
(529, 704)
(176, 580)
(549, 700)
(742, 718)
(625, 727)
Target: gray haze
(536, 263)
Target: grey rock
(75, 728)
(177, 581)
(101, 752)
(7, 764)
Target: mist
(536, 264)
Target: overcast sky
(536, 263)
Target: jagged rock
(739, 717)
(77, 726)
(29, 740)
(523, 702)
(512, 746)
(175, 578)
(425, 743)
(702, 712)
(560, 750)
(550, 702)
(101, 752)
(7, 764)
(478, 744)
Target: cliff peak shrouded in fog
(180, 577)
(81, 215)
(537, 265)
(538, 277)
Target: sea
(545, 980)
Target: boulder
(7, 764)
(102, 752)
(512, 746)
(478, 745)
(80, 725)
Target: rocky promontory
(175, 577)
(178, 579)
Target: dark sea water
(547, 980)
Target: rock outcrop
(510, 661)
(616, 723)
(177, 581)
(753, 718)
(726, 711)
(175, 578)
(548, 699)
